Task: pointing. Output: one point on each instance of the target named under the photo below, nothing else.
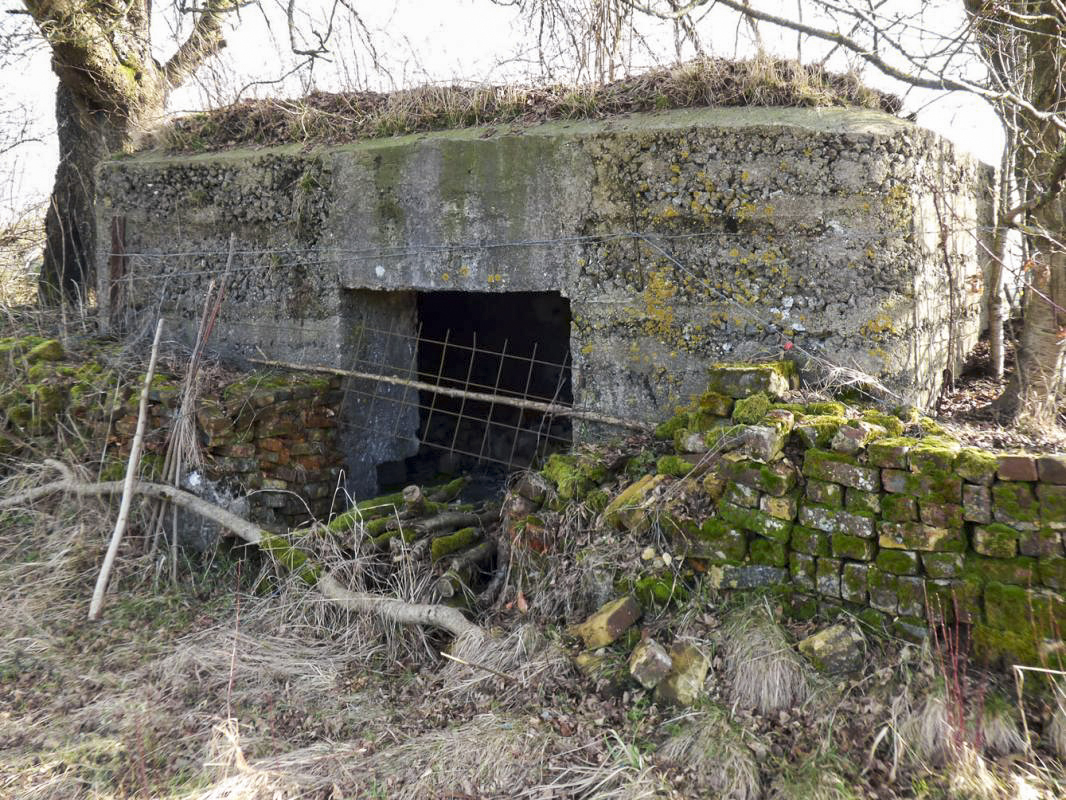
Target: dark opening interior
(514, 344)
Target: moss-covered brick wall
(848, 231)
(880, 513)
(273, 432)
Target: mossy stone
(565, 472)
(898, 562)
(751, 410)
(756, 521)
(673, 466)
(666, 430)
(853, 547)
(890, 452)
(975, 465)
(768, 552)
(49, 350)
(810, 541)
(889, 422)
(862, 502)
(818, 430)
(831, 408)
(715, 403)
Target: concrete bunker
(678, 238)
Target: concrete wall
(851, 231)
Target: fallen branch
(389, 608)
(132, 466)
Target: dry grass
(814, 779)
(322, 117)
(766, 673)
(1000, 726)
(1057, 728)
(717, 751)
(623, 773)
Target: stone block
(688, 670)
(883, 589)
(853, 436)
(764, 442)
(825, 493)
(839, 468)
(835, 650)
(911, 593)
(1052, 499)
(767, 552)
(940, 515)
(899, 562)
(941, 565)
(1018, 571)
(853, 547)
(827, 576)
(1051, 469)
(1044, 543)
(1015, 504)
(717, 540)
(748, 576)
(1017, 467)
(975, 465)
(744, 380)
(919, 536)
(741, 495)
(899, 508)
(818, 430)
(776, 478)
(890, 453)
(649, 663)
(756, 521)
(1052, 572)
(862, 502)
(809, 541)
(853, 582)
(609, 623)
(833, 520)
(802, 569)
(938, 488)
(784, 507)
(933, 456)
(976, 503)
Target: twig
(96, 605)
(389, 608)
(466, 663)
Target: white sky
(440, 41)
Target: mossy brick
(1014, 503)
(892, 424)
(833, 520)
(756, 521)
(763, 442)
(801, 568)
(725, 438)
(976, 503)
(862, 502)
(827, 576)
(1052, 572)
(853, 436)
(883, 589)
(998, 648)
(854, 547)
(827, 407)
(853, 582)
(911, 629)
(839, 468)
(940, 515)
(1044, 543)
(1018, 571)
(721, 405)
(673, 466)
(1012, 607)
(802, 607)
(919, 536)
(939, 488)
(941, 565)
(810, 541)
(629, 509)
(899, 562)
(776, 478)
(890, 452)
(745, 576)
(666, 429)
(873, 619)
(911, 593)
(784, 507)
(1052, 499)
(743, 380)
(1051, 469)
(713, 484)
(899, 508)
(1017, 467)
(825, 493)
(751, 410)
(933, 455)
(767, 552)
(953, 601)
(975, 465)
(717, 540)
(49, 350)
(819, 430)
(740, 494)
